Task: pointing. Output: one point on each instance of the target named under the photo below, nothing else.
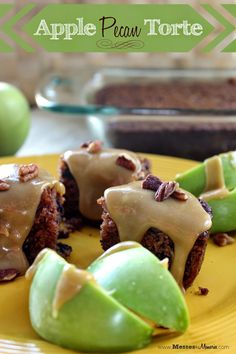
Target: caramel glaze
(70, 283)
(215, 182)
(134, 211)
(18, 207)
(94, 172)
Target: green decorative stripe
(9, 30)
(232, 46)
(228, 28)
(4, 8)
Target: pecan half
(180, 195)
(28, 172)
(222, 239)
(125, 162)
(151, 182)
(8, 274)
(94, 146)
(4, 186)
(165, 190)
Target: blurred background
(51, 132)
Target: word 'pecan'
(222, 239)
(28, 172)
(4, 186)
(125, 162)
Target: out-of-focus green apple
(14, 119)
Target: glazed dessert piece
(87, 172)
(188, 94)
(214, 181)
(30, 205)
(168, 221)
(70, 307)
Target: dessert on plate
(87, 172)
(167, 220)
(30, 212)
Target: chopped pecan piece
(94, 146)
(222, 239)
(28, 172)
(125, 162)
(8, 274)
(165, 190)
(151, 182)
(202, 291)
(86, 144)
(4, 186)
(180, 195)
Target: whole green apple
(14, 119)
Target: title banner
(115, 28)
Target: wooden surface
(54, 133)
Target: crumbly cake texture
(45, 230)
(156, 241)
(22, 185)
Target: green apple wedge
(91, 321)
(224, 209)
(194, 180)
(138, 280)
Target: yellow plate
(213, 317)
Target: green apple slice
(138, 280)
(90, 321)
(224, 209)
(194, 180)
